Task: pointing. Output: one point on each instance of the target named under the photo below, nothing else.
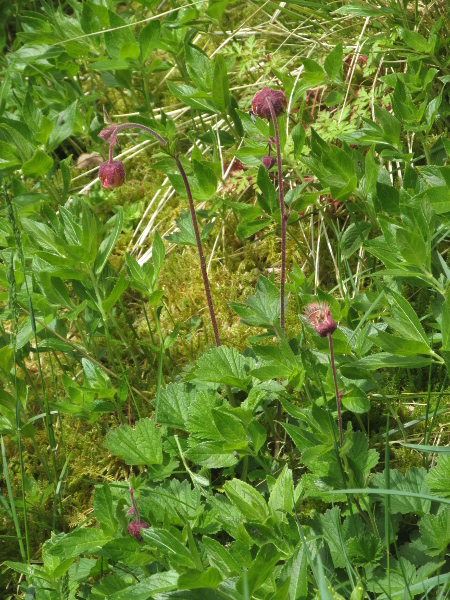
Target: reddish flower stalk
(268, 104)
(112, 174)
(200, 251)
(319, 317)
(134, 528)
(283, 217)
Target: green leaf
(297, 570)
(220, 558)
(405, 321)
(263, 308)
(128, 551)
(64, 125)
(223, 366)
(174, 402)
(333, 63)
(246, 499)
(149, 38)
(118, 290)
(246, 228)
(199, 68)
(104, 510)
(356, 401)
(387, 360)
(106, 247)
(411, 246)
(186, 233)
(298, 137)
(193, 579)
(281, 498)
(169, 545)
(438, 478)
(38, 164)
(230, 427)
(413, 481)
(139, 446)
(129, 51)
(435, 532)
(391, 126)
(214, 455)
(354, 236)
(206, 180)
(261, 569)
(80, 541)
(157, 583)
(220, 87)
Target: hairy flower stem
(133, 504)
(200, 250)
(283, 217)
(283, 245)
(338, 394)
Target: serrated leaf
(155, 584)
(149, 38)
(174, 402)
(104, 510)
(246, 499)
(139, 446)
(214, 455)
(193, 579)
(223, 366)
(169, 545)
(106, 247)
(413, 481)
(435, 531)
(438, 478)
(38, 164)
(281, 498)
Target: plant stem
(200, 250)
(283, 217)
(283, 245)
(338, 395)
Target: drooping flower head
(319, 317)
(111, 174)
(260, 102)
(268, 162)
(134, 529)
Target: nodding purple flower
(319, 317)
(111, 174)
(268, 162)
(134, 528)
(260, 102)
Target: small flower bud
(319, 317)
(134, 529)
(268, 162)
(107, 133)
(111, 174)
(260, 102)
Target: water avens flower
(268, 162)
(262, 100)
(319, 317)
(134, 528)
(111, 174)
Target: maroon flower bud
(107, 133)
(260, 102)
(131, 511)
(268, 162)
(111, 174)
(134, 529)
(319, 317)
